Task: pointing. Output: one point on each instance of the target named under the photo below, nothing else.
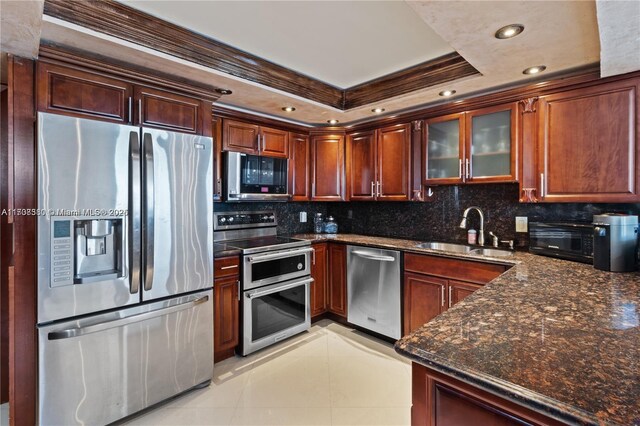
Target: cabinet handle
(313, 189)
(229, 267)
(259, 144)
(238, 284)
(449, 296)
(130, 117)
(378, 189)
(467, 166)
(313, 256)
(541, 185)
(372, 186)
(442, 295)
(219, 186)
(460, 170)
(139, 111)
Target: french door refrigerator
(125, 268)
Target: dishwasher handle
(373, 256)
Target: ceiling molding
(127, 23)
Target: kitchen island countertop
(558, 337)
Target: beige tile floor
(332, 375)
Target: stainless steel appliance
(373, 290)
(276, 277)
(564, 240)
(615, 238)
(254, 178)
(125, 261)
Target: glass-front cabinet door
(445, 149)
(491, 144)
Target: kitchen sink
(450, 247)
(493, 252)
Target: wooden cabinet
(434, 284)
(299, 167)
(226, 314)
(423, 299)
(217, 158)
(588, 144)
(165, 110)
(70, 91)
(253, 139)
(337, 279)
(440, 400)
(327, 168)
(379, 164)
(319, 273)
(476, 146)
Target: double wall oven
(276, 277)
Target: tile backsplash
(437, 220)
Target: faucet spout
(463, 223)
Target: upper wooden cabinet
(327, 168)
(252, 139)
(473, 146)
(70, 91)
(299, 187)
(379, 164)
(588, 144)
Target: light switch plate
(303, 217)
(521, 224)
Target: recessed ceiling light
(224, 91)
(509, 31)
(333, 121)
(534, 70)
(288, 109)
(377, 110)
(447, 93)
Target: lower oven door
(275, 266)
(275, 312)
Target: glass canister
(330, 226)
(317, 223)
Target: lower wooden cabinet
(338, 279)
(434, 284)
(226, 307)
(439, 400)
(319, 273)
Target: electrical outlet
(350, 214)
(521, 224)
(303, 217)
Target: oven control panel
(240, 220)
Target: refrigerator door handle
(82, 331)
(135, 209)
(148, 210)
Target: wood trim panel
(23, 349)
(121, 21)
(124, 22)
(464, 270)
(527, 148)
(430, 73)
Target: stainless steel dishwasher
(373, 289)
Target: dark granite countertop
(556, 336)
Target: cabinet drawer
(476, 272)
(226, 267)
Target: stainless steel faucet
(463, 224)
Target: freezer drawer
(373, 290)
(99, 369)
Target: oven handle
(251, 295)
(264, 257)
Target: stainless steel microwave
(255, 178)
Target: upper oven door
(274, 266)
(253, 177)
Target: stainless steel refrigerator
(125, 268)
